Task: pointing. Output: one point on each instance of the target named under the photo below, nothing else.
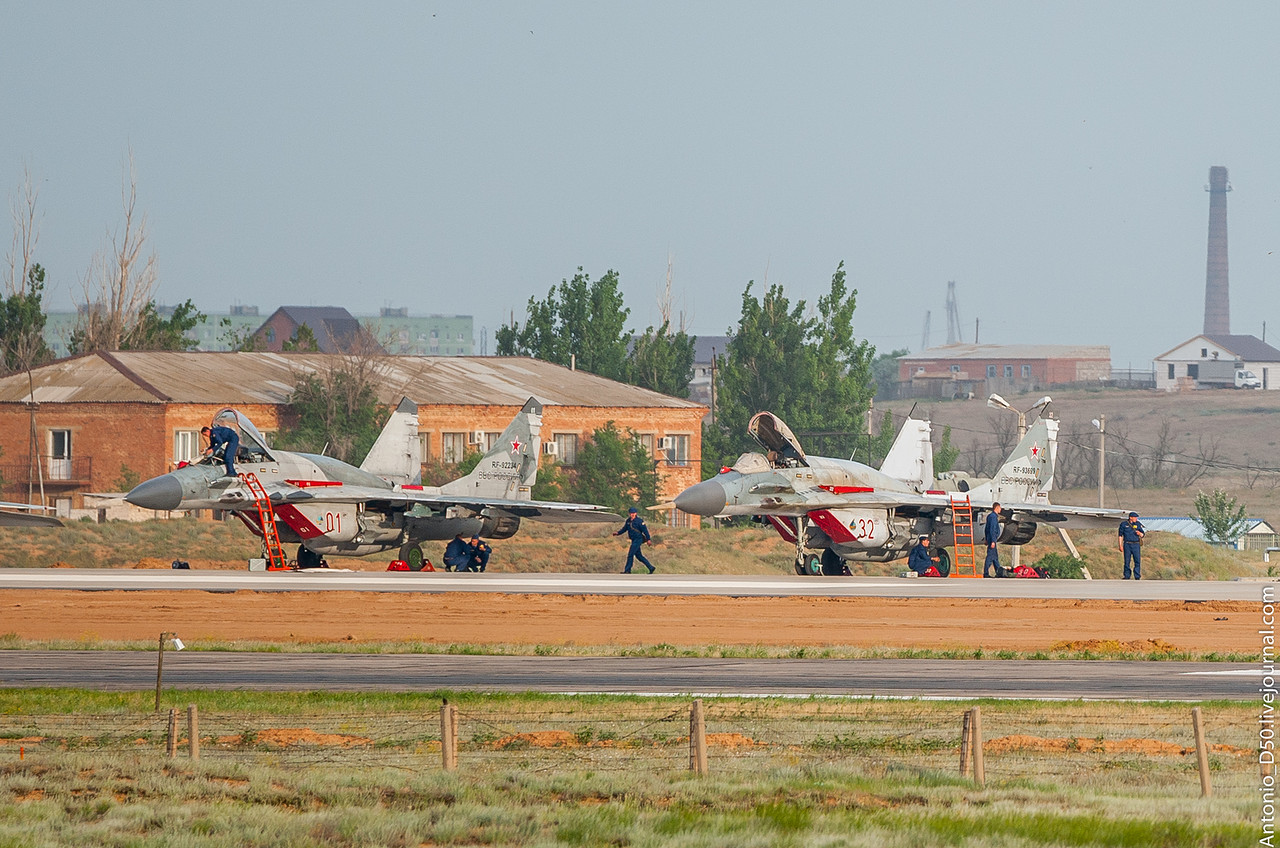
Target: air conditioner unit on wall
(667, 443)
(550, 449)
(477, 438)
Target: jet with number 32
(838, 510)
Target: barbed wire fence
(1152, 745)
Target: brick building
(336, 330)
(103, 420)
(963, 369)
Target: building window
(424, 445)
(60, 454)
(453, 447)
(646, 442)
(1193, 371)
(1008, 372)
(991, 372)
(1171, 367)
(566, 448)
(676, 518)
(271, 335)
(677, 446)
(1204, 352)
(1026, 372)
(490, 439)
(955, 369)
(187, 446)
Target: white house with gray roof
(1182, 367)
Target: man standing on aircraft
(991, 535)
(922, 557)
(229, 440)
(1130, 541)
(636, 530)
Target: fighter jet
(23, 519)
(326, 506)
(837, 510)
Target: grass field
(322, 769)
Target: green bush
(1062, 567)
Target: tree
(579, 320)
(1221, 515)
(151, 332)
(810, 371)
(945, 454)
(238, 340)
(662, 361)
(336, 410)
(118, 285)
(614, 470)
(884, 369)
(22, 315)
(303, 341)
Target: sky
(460, 158)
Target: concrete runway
(959, 679)
(626, 584)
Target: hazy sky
(1050, 158)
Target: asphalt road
(626, 584)
(960, 679)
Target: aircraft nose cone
(162, 493)
(706, 498)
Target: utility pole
(1101, 424)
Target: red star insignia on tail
(1035, 449)
(515, 446)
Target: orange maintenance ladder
(267, 523)
(966, 562)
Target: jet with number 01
(838, 510)
(326, 506)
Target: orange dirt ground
(593, 620)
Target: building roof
(335, 328)
(1243, 347)
(1017, 351)
(258, 377)
(1193, 529)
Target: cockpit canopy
(751, 463)
(253, 447)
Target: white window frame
(60, 454)
(453, 447)
(566, 448)
(187, 445)
(678, 453)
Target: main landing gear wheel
(944, 561)
(412, 554)
(307, 558)
(809, 565)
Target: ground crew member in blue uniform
(478, 554)
(1129, 540)
(636, 530)
(457, 555)
(922, 557)
(991, 535)
(229, 440)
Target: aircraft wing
(552, 512)
(23, 519)
(911, 503)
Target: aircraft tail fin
(910, 459)
(508, 470)
(1027, 475)
(397, 454)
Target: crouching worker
(923, 560)
(478, 554)
(457, 555)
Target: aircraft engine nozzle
(160, 493)
(706, 499)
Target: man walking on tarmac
(991, 535)
(639, 534)
(1130, 541)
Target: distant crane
(954, 336)
(924, 336)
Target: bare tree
(26, 235)
(120, 280)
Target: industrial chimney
(1217, 293)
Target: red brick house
(336, 330)
(103, 419)
(962, 369)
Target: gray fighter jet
(836, 510)
(329, 507)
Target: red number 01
(332, 522)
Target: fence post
(975, 730)
(966, 739)
(171, 745)
(193, 732)
(697, 739)
(1202, 753)
(159, 669)
(448, 736)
